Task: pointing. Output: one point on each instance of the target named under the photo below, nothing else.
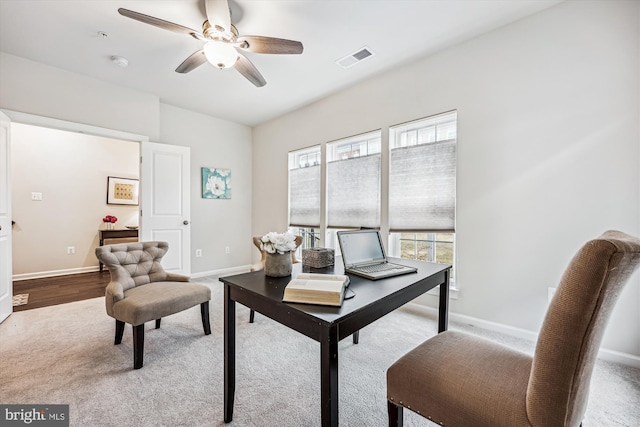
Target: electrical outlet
(227, 250)
(198, 253)
(36, 196)
(71, 250)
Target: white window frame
(443, 127)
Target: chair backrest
(134, 264)
(573, 327)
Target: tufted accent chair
(141, 290)
(457, 379)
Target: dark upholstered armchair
(140, 290)
(455, 379)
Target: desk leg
(443, 311)
(229, 354)
(329, 377)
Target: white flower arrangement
(278, 242)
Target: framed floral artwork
(122, 191)
(216, 183)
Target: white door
(6, 284)
(165, 202)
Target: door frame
(6, 275)
(47, 122)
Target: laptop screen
(361, 246)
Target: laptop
(363, 255)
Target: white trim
(32, 119)
(453, 292)
(619, 357)
(222, 272)
(53, 273)
(603, 354)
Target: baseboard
(619, 357)
(604, 354)
(222, 272)
(52, 273)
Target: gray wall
(549, 153)
(33, 88)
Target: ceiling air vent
(354, 58)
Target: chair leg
(356, 337)
(204, 311)
(158, 323)
(138, 346)
(252, 316)
(119, 331)
(395, 414)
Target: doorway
(59, 198)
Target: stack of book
(310, 288)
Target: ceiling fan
(223, 44)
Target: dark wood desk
(116, 234)
(325, 324)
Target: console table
(116, 234)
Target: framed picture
(216, 183)
(122, 191)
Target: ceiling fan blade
(218, 13)
(261, 44)
(247, 69)
(192, 62)
(161, 23)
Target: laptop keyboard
(376, 268)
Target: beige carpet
(65, 355)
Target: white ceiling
(64, 34)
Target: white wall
(215, 143)
(70, 170)
(34, 88)
(549, 152)
(42, 90)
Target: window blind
(353, 192)
(422, 187)
(304, 197)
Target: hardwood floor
(61, 289)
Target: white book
(313, 288)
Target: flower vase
(278, 265)
(110, 226)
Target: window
(431, 247)
(353, 181)
(310, 238)
(304, 188)
(422, 188)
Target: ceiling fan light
(221, 55)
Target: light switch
(36, 196)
